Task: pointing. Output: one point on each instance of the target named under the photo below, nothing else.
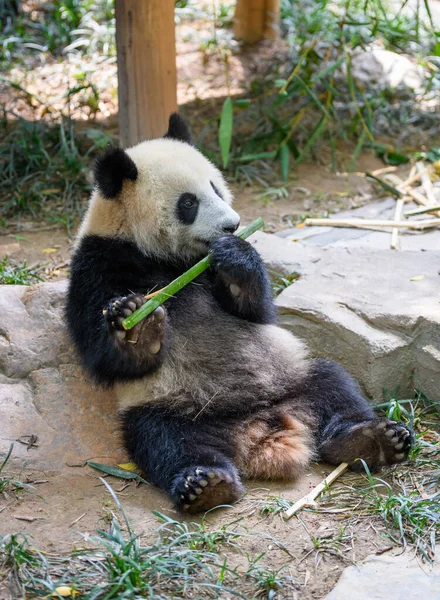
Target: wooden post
(146, 50)
(256, 20)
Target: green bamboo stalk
(175, 286)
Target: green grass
(280, 282)
(405, 498)
(82, 26)
(10, 483)
(316, 99)
(185, 560)
(15, 273)
(43, 169)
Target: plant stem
(181, 281)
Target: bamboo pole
(147, 83)
(362, 223)
(159, 297)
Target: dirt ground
(60, 506)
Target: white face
(183, 202)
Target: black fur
(187, 208)
(216, 190)
(178, 450)
(178, 129)
(237, 262)
(110, 171)
(165, 444)
(105, 269)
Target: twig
(421, 211)
(363, 223)
(309, 499)
(397, 217)
(78, 519)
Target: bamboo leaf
(312, 139)
(225, 131)
(284, 161)
(115, 471)
(242, 103)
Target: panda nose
(231, 228)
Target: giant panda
(211, 390)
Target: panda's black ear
(178, 129)
(110, 170)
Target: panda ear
(110, 171)
(178, 129)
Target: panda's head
(162, 194)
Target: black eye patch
(216, 190)
(187, 208)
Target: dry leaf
(50, 191)
(417, 278)
(64, 591)
(128, 466)
(49, 250)
(299, 226)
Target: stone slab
(362, 308)
(43, 390)
(389, 577)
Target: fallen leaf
(417, 278)
(50, 191)
(49, 250)
(300, 225)
(128, 466)
(64, 591)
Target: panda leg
(190, 460)
(348, 429)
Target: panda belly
(218, 363)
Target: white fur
(145, 210)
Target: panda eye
(188, 203)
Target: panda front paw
(236, 260)
(147, 336)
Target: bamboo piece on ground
(362, 223)
(309, 499)
(415, 195)
(383, 170)
(421, 211)
(175, 286)
(397, 216)
(426, 183)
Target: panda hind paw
(198, 489)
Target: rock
(385, 69)
(360, 307)
(390, 577)
(43, 390)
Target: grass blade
(225, 131)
